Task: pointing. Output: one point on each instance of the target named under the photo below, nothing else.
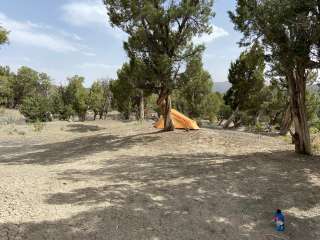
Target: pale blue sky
(67, 37)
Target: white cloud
(89, 54)
(76, 37)
(210, 56)
(90, 13)
(43, 40)
(84, 13)
(94, 71)
(37, 35)
(71, 35)
(217, 32)
(98, 65)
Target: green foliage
(43, 84)
(259, 127)
(5, 86)
(128, 88)
(194, 95)
(96, 97)
(76, 96)
(99, 99)
(60, 106)
(211, 106)
(14, 88)
(290, 31)
(152, 106)
(107, 96)
(315, 129)
(123, 92)
(312, 104)
(277, 102)
(3, 35)
(224, 112)
(289, 28)
(30, 91)
(160, 34)
(24, 84)
(122, 100)
(56, 101)
(66, 112)
(36, 108)
(246, 75)
(38, 126)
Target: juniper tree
(76, 96)
(160, 34)
(96, 98)
(289, 29)
(24, 84)
(194, 94)
(6, 94)
(246, 75)
(3, 35)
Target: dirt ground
(117, 180)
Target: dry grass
(316, 143)
(10, 116)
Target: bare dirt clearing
(115, 180)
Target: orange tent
(179, 121)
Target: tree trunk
(286, 122)
(82, 117)
(231, 118)
(257, 117)
(126, 115)
(164, 101)
(168, 123)
(273, 120)
(141, 107)
(237, 123)
(297, 89)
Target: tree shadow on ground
(82, 128)
(73, 150)
(239, 130)
(196, 196)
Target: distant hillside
(221, 87)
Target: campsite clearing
(126, 180)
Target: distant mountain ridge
(221, 87)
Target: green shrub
(38, 126)
(314, 130)
(66, 112)
(316, 125)
(259, 127)
(36, 108)
(316, 143)
(225, 112)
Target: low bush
(36, 108)
(38, 126)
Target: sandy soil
(116, 180)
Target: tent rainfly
(180, 121)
